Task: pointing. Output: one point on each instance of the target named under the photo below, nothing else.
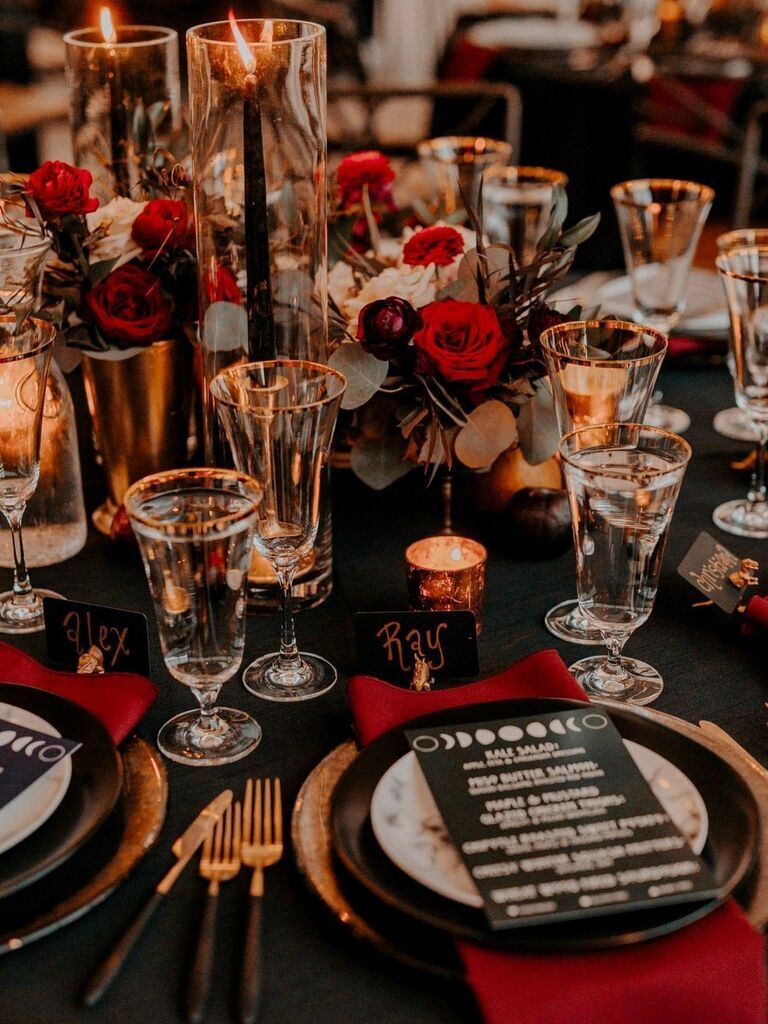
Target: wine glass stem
(289, 651)
(22, 588)
(757, 493)
(612, 673)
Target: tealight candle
(447, 573)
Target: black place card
(707, 567)
(25, 756)
(554, 820)
(388, 643)
(73, 627)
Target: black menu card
(554, 820)
(25, 756)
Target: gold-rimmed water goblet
(279, 417)
(600, 371)
(26, 347)
(517, 203)
(660, 223)
(195, 532)
(623, 480)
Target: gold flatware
(262, 846)
(219, 862)
(716, 732)
(184, 848)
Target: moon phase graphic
(594, 721)
(571, 723)
(449, 741)
(557, 726)
(511, 733)
(536, 729)
(485, 736)
(426, 744)
(464, 739)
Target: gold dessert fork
(261, 847)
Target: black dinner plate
(730, 849)
(94, 789)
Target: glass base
(182, 740)
(268, 678)
(567, 622)
(24, 618)
(735, 425)
(667, 417)
(642, 684)
(742, 518)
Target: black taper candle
(118, 126)
(261, 321)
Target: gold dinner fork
(261, 847)
(219, 861)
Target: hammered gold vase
(139, 408)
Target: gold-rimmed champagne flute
(279, 417)
(601, 371)
(26, 347)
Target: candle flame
(245, 53)
(107, 28)
(456, 554)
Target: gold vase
(140, 407)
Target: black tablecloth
(314, 972)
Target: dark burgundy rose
(542, 317)
(60, 189)
(129, 307)
(385, 326)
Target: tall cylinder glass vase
(258, 138)
(54, 520)
(125, 111)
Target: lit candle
(261, 330)
(118, 114)
(447, 573)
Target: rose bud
(542, 317)
(385, 326)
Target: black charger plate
(93, 792)
(730, 849)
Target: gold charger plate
(313, 845)
(142, 807)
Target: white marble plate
(22, 816)
(410, 829)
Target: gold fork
(261, 847)
(219, 861)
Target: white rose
(341, 283)
(416, 284)
(116, 219)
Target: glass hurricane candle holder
(447, 574)
(125, 102)
(258, 138)
(517, 202)
(454, 165)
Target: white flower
(116, 219)
(341, 283)
(416, 284)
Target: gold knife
(184, 847)
(717, 733)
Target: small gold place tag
(92, 662)
(421, 681)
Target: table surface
(313, 971)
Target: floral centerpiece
(122, 275)
(437, 331)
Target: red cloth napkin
(711, 972)
(755, 615)
(118, 699)
(681, 347)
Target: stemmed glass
(660, 222)
(623, 481)
(517, 202)
(195, 531)
(734, 422)
(26, 346)
(744, 273)
(454, 165)
(279, 418)
(601, 371)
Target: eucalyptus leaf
(490, 429)
(558, 213)
(225, 327)
(365, 373)
(537, 426)
(379, 462)
(580, 232)
(98, 271)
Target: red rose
(129, 307)
(59, 189)
(439, 245)
(369, 168)
(461, 341)
(163, 224)
(221, 286)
